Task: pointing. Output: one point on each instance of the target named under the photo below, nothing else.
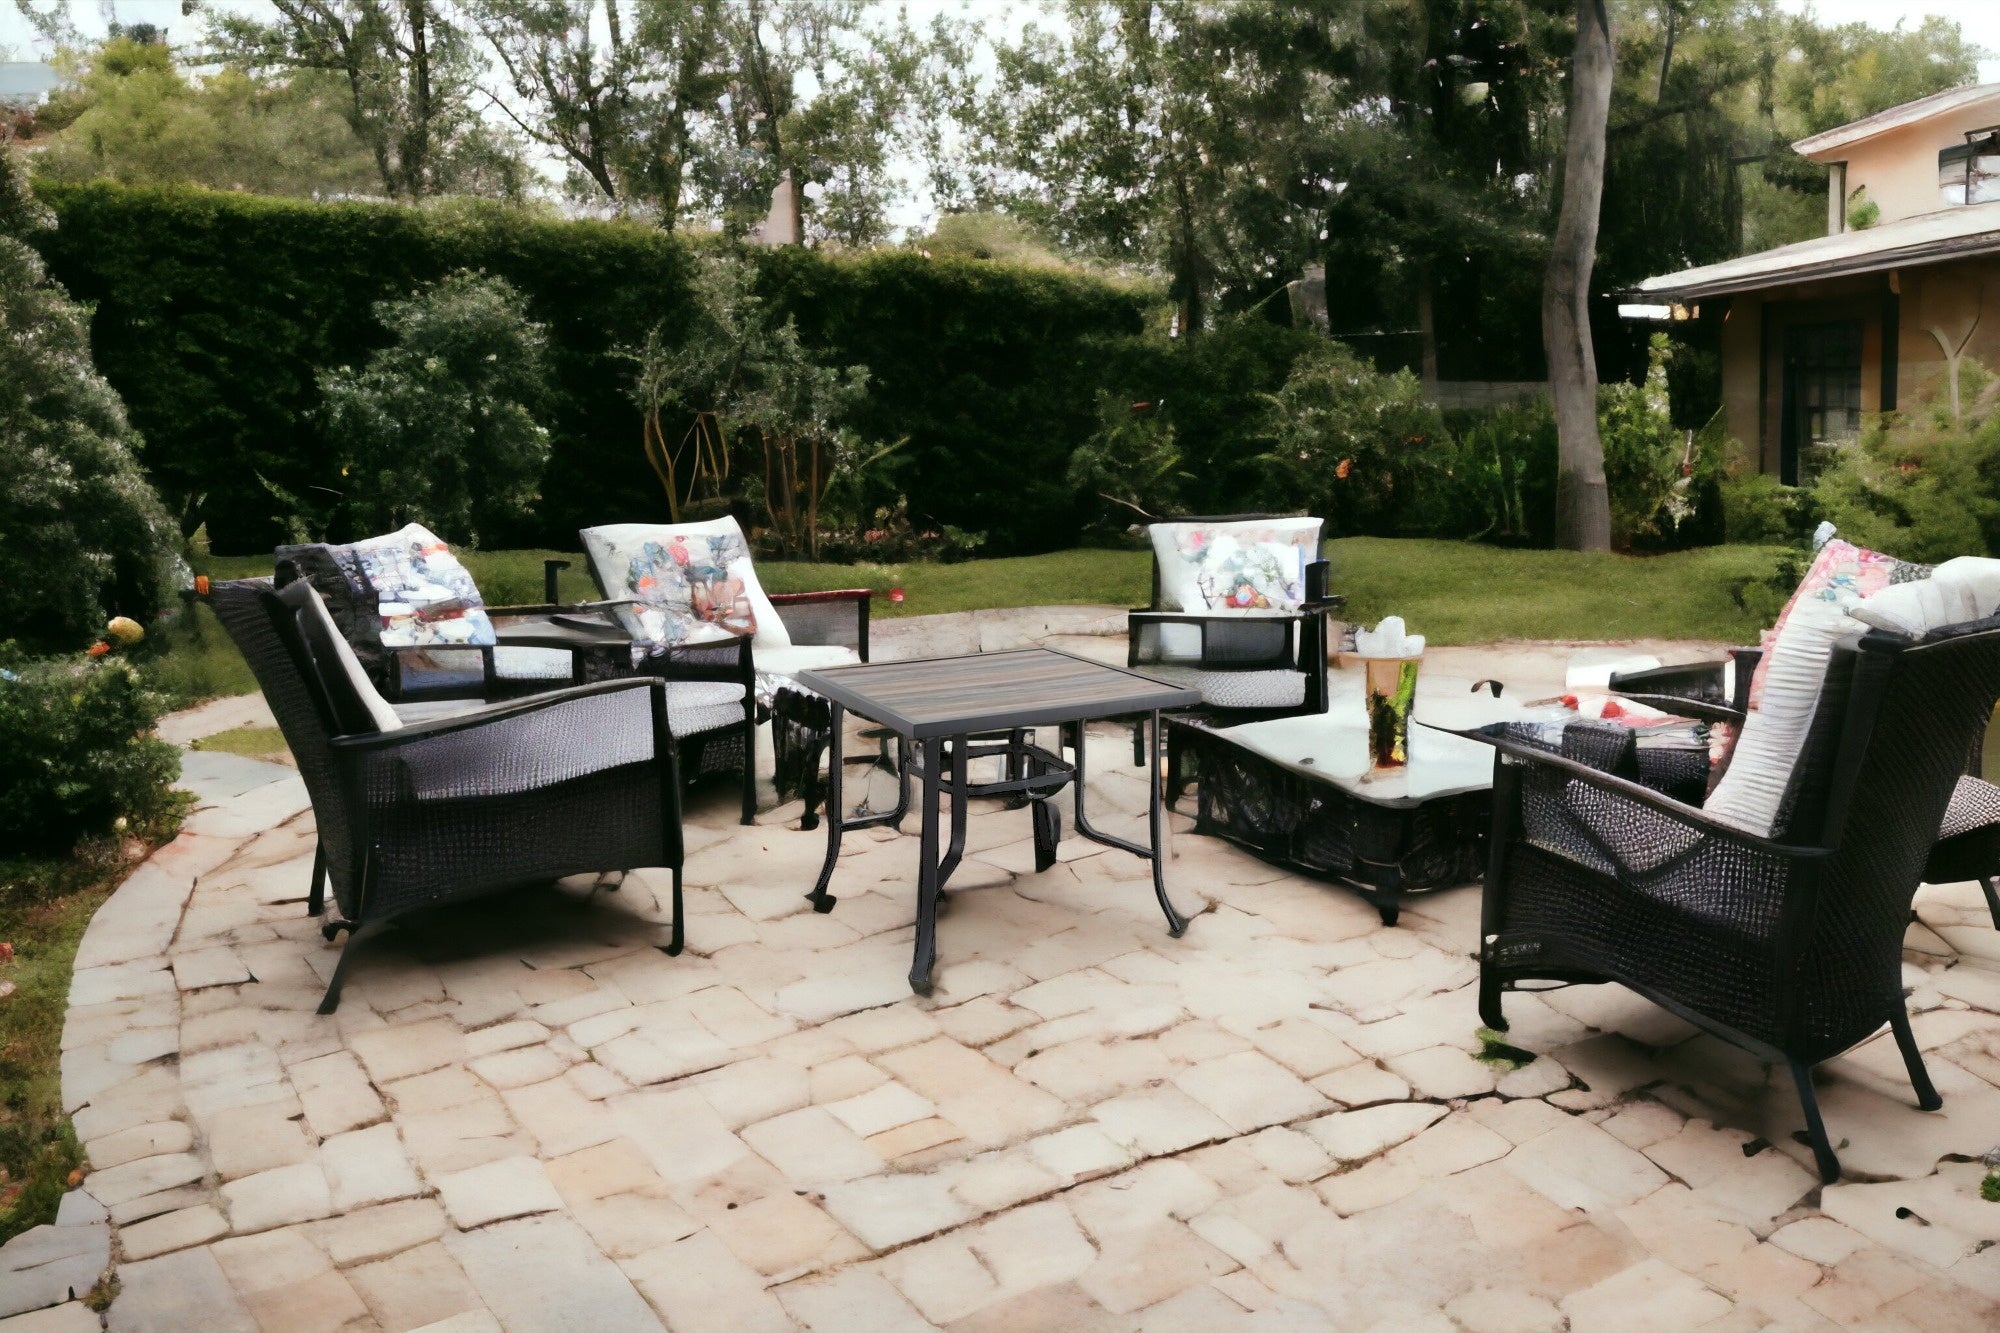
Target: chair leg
(331, 1000)
(1139, 743)
(316, 895)
(1913, 1060)
(1991, 886)
(672, 947)
(749, 772)
(1490, 1012)
(1829, 1165)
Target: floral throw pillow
(1840, 576)
(1244, 567)
(424, 596)
(689, 585)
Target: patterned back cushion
(1785, 692)
(691, 583)
(424, 595)
(1253, 565)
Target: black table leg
(1156, 822)
(927, 871)
(836, 815)
(956, 852)
(1155, 825)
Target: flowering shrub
(81, 757)
(1350, 444)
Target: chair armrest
(1690, 818)
(487, 715)
(837, 617)
(512, 748)
(1700, 681)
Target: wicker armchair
(1248, 664)
(814, 629)
(1790, 945)
(425, 814)
(1968, 841)
(711, 706)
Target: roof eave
(1926, 252)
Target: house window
(1822, 393)
(1969, 173)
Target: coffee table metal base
(938, 766)
(1382, 852)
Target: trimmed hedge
(214, 311)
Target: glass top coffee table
(1300, 791)
(947, 712)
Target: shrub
(1643, 454)
(440, 426)
(1760, 510)
(1497, 475)
(1921, 483)
(215, 313)
(80, 754)
(82, 534)
(1129, 469)
(1350, 444)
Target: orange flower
(1346, 466)
(201, 585)
(98, 649)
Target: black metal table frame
(939, 765)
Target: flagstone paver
(525, 1116)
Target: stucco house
(1903, 285)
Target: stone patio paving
(525, 1116)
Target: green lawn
(1454, 592)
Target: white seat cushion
(1234, 689)
(777, 666)
(533, 663)
(1967, 588)
(695, 706)
(329, 639)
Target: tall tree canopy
(412, 73)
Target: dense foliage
(1350, 444)
(82, 535)
(216, 312)
(1922, 483)
(440, 426)
(133, 116)
(81, 759)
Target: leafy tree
(748, 385)
(132, 116)
(440, 426)
(82, 535)
(832, 148)
(622, 112)
(412, 73)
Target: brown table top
(1021, 687)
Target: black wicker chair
(836, 618)
(431, 813)
(1246, 664)
(1968, 841)
(1790, 945)
(711, 705)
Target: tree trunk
(1583, 511)
(1427, 329)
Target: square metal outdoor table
(949, 711)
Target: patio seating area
(527, 1114)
